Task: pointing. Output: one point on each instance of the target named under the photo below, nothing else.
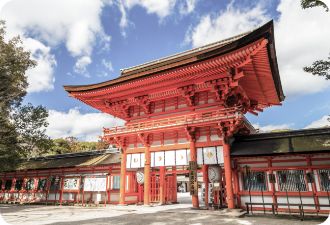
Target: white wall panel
(200, 156)
(169, 158)
(220, 154)
(210, 155)
(181, 157)
(159, 159)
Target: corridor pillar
(228, 175)
(122, 178)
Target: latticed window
(42, 184)
(55, 183)
(254, 181)
(8, 185)
(116, 183)
(29, 184)
(18, 185)
(291, 180)
(324, 179)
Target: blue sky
(83, 42)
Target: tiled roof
(94, 158)
(297, 141)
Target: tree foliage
(72, 145)
(14, 61)
(305, 4)
(31, 123)
(320, 68)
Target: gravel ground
(112, 214)
(160, 215)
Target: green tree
(319, 67)
(31, 123)
(313, 3)
(14, 61)
(60, 146)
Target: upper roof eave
(194, 55)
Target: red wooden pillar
(228, 175)
(61, 192)
(314, 189)
(270, 165)
(162, 191)
(236, 186)
(206, 182)
(175, 185)
(193, 156)
(147, 177)
(122, 178)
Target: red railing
(189, 119)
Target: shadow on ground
(179, 216)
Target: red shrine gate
(182, 110)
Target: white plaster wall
(256, 199)
(315, 163)
(214, 137)
(201, 139)
(182, 140)
(114, 196)
(131, 198)
(290, 164)
(296, 200)
(324, 201)
(52, 196)
(259, 165)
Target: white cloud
(271, 127)
(323, 122)
(160, 8)
(75, 23)
(227, 23)
(123, 20)
(187, 6)
(301, 36)
(40, 78)
(87, 127)
(81, 64)
(107, 65)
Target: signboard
(193, 178)
(140, 177)
(214, 174)
(95, 184)
(71, 184)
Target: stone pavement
(156, 215)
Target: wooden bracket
(144, 102)
(120, 142)
(191, 133)
(118, 108)
(188, 92)
(145, 139)
(228, 128)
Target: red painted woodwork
(188, 103)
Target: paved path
(157, 215)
